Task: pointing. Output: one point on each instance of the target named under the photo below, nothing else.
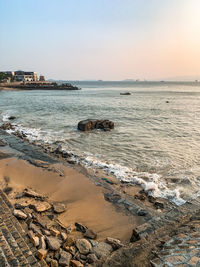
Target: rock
(7, 190)
(80, 227)
(75, 263)
(30, 193)
(12, 118)
(40, 206)
(70, 241)
(140, 231)
(35, 228)
(83, 246)
(65, 258)
(93, 243)
(102, 250)
(42, 243)
(7, 126)
(2, 143)
(46, 232)
(115, 243)
(53, 243)
(54, 263)
(19, 214)
(35, 240)
(63, 235)
(90, 234)
(91, 258)
(91, 124)
(71, 249)
(54, 232)
(126, 93)
(59, 207)
(41, 254)
(141, 212)
(159, 205)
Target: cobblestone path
(183, 249)
(15, 248)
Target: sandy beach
(85, 201)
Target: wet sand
(85, 201)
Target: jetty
(38, 86)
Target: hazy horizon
(108, 40)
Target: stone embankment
(15, 247)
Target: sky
(101, 39)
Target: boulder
(65, 258)
(91, 124)
(53, 243)
(59, 207)
(19, 214)
(102, 250)
(115, 243)
(83, 246)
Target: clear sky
(101, 39)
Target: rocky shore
(65, 209)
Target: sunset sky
(101, 39)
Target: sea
(155, 142)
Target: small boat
(126, 93)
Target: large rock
(83, 246)
(19, 214)
(91, 124)
(65, 258)
(53, 243)
(102, 250)
(90, 234)
(30, 193)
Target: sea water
(155, 143)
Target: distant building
(25, 76)
(42, 78)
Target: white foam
(152, 183)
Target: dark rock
(7, 190)
(159, 205)
(7, 126)
(90, 234)
(126, 93)
(12, 118)
(142, 212)
(91, 124)
(80, 227)
(140, 231)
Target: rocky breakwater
(58, 245)
(91, 124)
